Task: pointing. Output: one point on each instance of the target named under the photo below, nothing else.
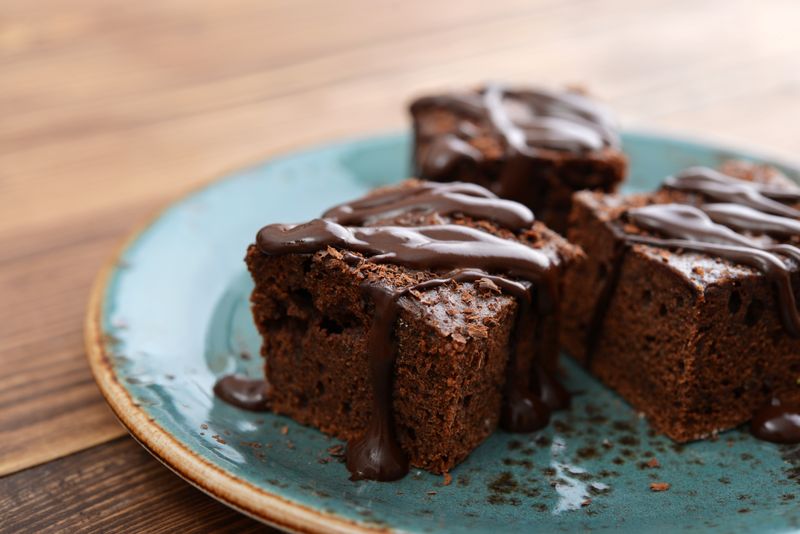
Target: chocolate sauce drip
(523, 408)
(777, 422)
(470, 255)
(243, 392)
(526, 121)
(527, 407)
(523, 411)
(377, 455)
(609, 289)
(429, 197)
(550, 390)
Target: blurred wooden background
(111, 108)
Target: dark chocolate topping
(777, 422)
(724, 188)
(437, 247)
(429, 197)
(749, 219)
(469, 255)
(243, 392)
(526, 121)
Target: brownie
(530, 145)
(694, 335)
(453, 336)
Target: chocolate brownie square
(685, 305)
(530, 145)
(396, 321)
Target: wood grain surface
(114, 488)
(109, 109)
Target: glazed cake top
(715, 226)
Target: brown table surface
(111, 108)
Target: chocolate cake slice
(686, 305)
(530, 145)
(411, 322)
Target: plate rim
(257, 503)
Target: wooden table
(111, 108)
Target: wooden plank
(761, 119)
(131, 127)
(116, 487)
(49, 403)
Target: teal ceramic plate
(170, 314)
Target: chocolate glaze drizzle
(728, 229)
(777, 422)
(525, 121)
(436, 247)
(429, 197)
(243, 392)
(724, 188)
(463, 254)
